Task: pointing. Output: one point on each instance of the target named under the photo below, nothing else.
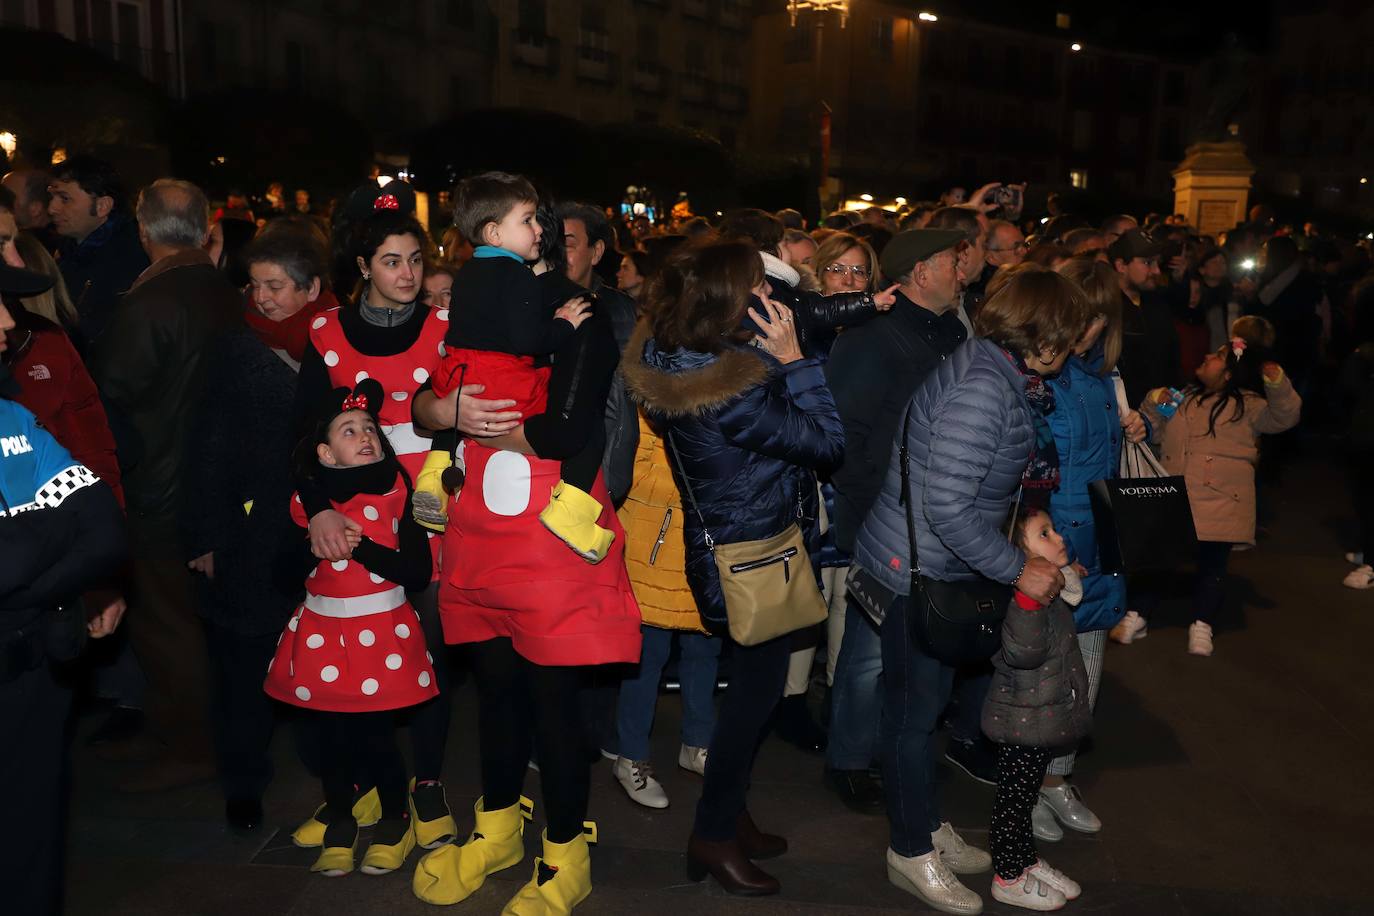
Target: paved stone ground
(1239, 784)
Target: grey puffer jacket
(970, 439)
(1038, 696)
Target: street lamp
(927, 17)
(796, 7)
(1075, 47)
(9, 143)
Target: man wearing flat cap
(1149, 341)
(873, 371)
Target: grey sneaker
(1043, 823)
(1067, 804)
(692, 759)
(636, 777)
(961, 858)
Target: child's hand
(574, 311)
(354, 536)
(1133, 426)
(1273, 373)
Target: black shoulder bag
(952, 622)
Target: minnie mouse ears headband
(367, 395)
(370, 197)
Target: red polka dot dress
(355, 645)
(400, 376)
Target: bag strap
(913, 559)
(691, 495)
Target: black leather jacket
(820, 317)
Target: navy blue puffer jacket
(752, 434)
(1087, 435)
(971, 437)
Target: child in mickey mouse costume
(354, 652)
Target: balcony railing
(695, 89)
(732, 98)
(596, 65)
(157, 67)
(535, 50)
(733, 15)
(649, 78)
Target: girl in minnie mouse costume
(354, 652)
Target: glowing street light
(1075, 47)
(901, 201)
(928, 17)
(866, 197)
(9, 143)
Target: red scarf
(289, 334)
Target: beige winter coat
(1220, 468)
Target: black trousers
(1360, 472)
(1020, 770)
(430, 720)
(34, 710)
(359, 749)
(757, 676)
(522, 706)
(242, 716)
(1210, 591)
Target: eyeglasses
(859, 271)
(1019, 246)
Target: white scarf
(779, 269)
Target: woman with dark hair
(386, 334)
(1200, 302)
(634, 270)
(977, 432)
(747, 429)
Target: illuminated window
(1078, 178)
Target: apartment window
(1175, 88)
(1128, 131)
(696, 58)
(882, 36)
(594, 17)
(300, 64)
(47, 15)
(798, 46)
(1078, 178)
(208, 51)
(461, 14)
(1063, 21)
(646, 41)
(13, 12)
(533, 16)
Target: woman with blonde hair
(56, 304)
(845, 263)
(1088, 424)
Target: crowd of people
(328, 464)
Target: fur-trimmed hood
(684, 383)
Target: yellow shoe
(430, 502)
(453, 873)
(367, 810)
(383, 858)
(336, 861)
(571, 515)
(441, 827)
(562, 879)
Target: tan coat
(660, 584)
(1220, 469)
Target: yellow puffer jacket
(652, 516)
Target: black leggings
(430, 720)
(359, 749)
(1210, 591)
(1020, 770)
(523, 705)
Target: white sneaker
(1043, 823)
(1199, 638)
(692, 759)
(1355, 558)
(1056, 879)
(1131, 628)
(1066, 803)
(1360, 577)
(636, 778)
(1027, 892)
(930, 879)
(959, 856)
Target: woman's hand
(779, 335)
(333, 535)
(482, 419)
(574, 311)
(1133, 425)
(886, 299)
(203, 564)
(1040, 580)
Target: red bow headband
(386, 202)
(354, 402)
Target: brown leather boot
(727, 863)
(754, 842)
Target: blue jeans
(915, 691)
(639, 692)
(856, 699)
(970, 690)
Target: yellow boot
(367, 810)
(430, 502)
(441, 827)
(336, 861)
(571, 515)
(383, 857)
(453, 873)
(562, 879)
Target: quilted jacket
(970, 439)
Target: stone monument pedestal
(1212, 186)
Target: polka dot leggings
(1020, 770)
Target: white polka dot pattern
(331, 359)
(370, 686)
